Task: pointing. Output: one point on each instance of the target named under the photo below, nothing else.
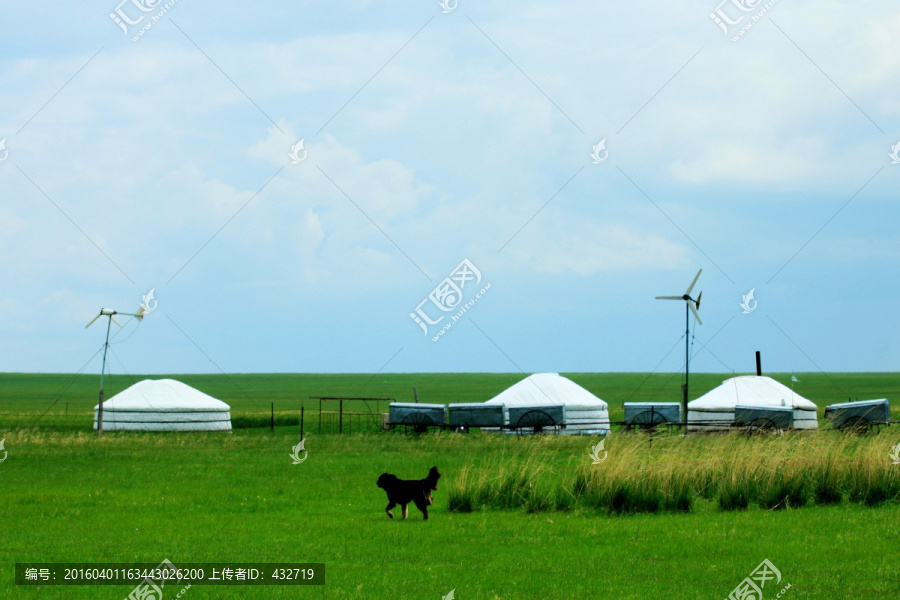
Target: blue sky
(433, 137)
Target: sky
(408, 186)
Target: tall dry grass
(671, 473)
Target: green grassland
(208, 498)
(45, 399)
(70, 496)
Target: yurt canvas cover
(584, 412)
(715, 409)
(164, 405)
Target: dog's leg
(388, 509)
(423, 506)
(404, 511)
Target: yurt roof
(163, 395)
(752, 390)
(547, 389)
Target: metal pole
(416, 394)
(301, 421)
(687, 360)
(341, 417)
(102, 372)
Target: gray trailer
(476, 415)
(419, 416)
(650, 414)
(536, 417)
(764, 417)
(864, 413)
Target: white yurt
(164, 405)
(562, 399)
(714, 410)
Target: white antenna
(691, 306)
(108, 312)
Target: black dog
(404, 491)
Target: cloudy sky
(165, 158)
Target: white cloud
(747, 162)
(570, 243)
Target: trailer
(647, 415)
(859, 415)
(476, 414)
(755, 418)
(418, 416)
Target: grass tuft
(735, 471)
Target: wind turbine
(691, 306)
(108, 312)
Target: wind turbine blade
(669, 298)
(700, 295)
(92, 321)
(114, 321)
(140, 314)
(696, 277)
(696, 314)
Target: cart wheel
(762, 425)
(647, 419)
(857, 424)
(419, 422)
(536, 419)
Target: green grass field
(69, 496)
(44, 400)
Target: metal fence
(332, 422)
(345, 414)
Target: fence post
(272, 422)
(341, 417)
(301, 421)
